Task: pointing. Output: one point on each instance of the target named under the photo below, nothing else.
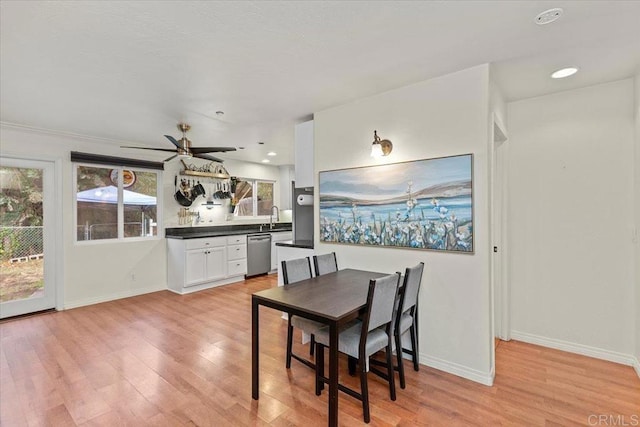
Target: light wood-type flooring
(163, 359)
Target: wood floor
(168, 360)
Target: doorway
(27, 236)
(499, 275)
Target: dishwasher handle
(259, 238)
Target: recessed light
(564, 72)
(548, 16)
(266, 161)
(271, 153)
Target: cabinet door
(195, 267)
(216, 263)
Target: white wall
(92, 272)
(636, 193)
(571, 220)
(439, 117)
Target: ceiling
(128, 72)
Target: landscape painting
(422, 204)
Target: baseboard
(485, 378)
(636, 366)
(584, 350)
(125, 294)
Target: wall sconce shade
(380, 147)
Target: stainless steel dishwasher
(258, 254)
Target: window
(253, 198)
(118, 202)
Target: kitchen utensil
(198, 190)
(179, 195)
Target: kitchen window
(253, 198)
(116, 202)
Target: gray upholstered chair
(407, 317)
(326, 263)
(364, 338)
(293, 271)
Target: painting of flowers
(422, 204)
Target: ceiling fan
(184, 148)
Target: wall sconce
(380, 147)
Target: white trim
(585, 350)
(208, 285)
(106, 298)
(636, 366)
(485, 378)
(59, 233)
(65, 134)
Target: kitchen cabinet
(304, 155)
(237, 255)
(196, 264)
(276, 237)
(205, 264)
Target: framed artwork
(422, 204)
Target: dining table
(333, 299)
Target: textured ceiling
(129, 71)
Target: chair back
(380, 301)
(326, 263)
(295, 270)
(411, 287)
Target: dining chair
(293, 271)
(406, 318)
(326, 263)
(363, 338)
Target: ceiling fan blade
(206, 157)
(170, 158)
(211, 149)
(173, 140)
(170, 150)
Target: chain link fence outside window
(20, 242)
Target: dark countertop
(222, 230)
(303, 244)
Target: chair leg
(319, 368)
(351, 363)
(312, 345)
(364, 389)
(390, 373)
(289, 342)
(414, 347)
(399, 357)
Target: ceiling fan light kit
(183, 148)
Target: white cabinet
(237, 255)
(304, 154)
(196, 264)
(287, 175)
(279, 236)
(204, 265)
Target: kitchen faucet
(271, 216)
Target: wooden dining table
(333, 299)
